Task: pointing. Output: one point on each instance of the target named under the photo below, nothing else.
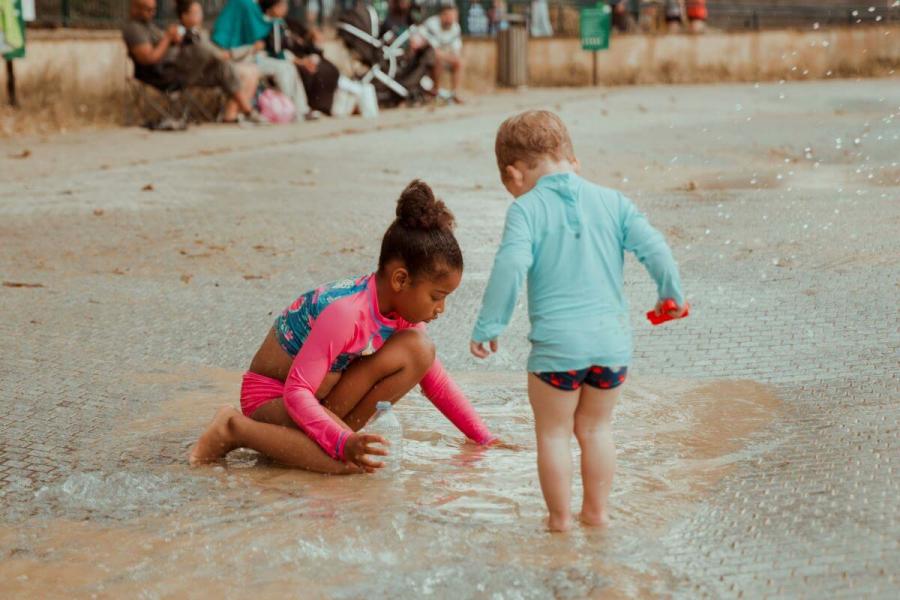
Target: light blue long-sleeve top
(568, 236)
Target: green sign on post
(596, 24)
(12, 29)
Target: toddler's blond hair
(531, 136)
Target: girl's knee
(417, 346)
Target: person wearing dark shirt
(319, 75)
(283, 55)
(162, 60)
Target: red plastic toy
(667, 305)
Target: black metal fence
(742, 16)
(563, 14)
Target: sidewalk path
(141, 268)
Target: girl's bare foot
(594, 519)
(557, 524)
(215, 442)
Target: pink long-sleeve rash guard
(325, 330)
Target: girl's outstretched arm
(450, 400)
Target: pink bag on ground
(276, 107)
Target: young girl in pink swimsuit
(338, 350)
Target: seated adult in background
(445, 35)
(320, 76)
(283, 54)
(196, 45)
(240, 25)
(162, 61)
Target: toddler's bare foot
(557, 524)
(215, 442)
(594, 519)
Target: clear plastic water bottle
(386, 424)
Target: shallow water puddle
(459, 520)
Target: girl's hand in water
(479, 351)
(498, 443)
(358, 446)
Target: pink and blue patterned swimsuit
(293, 325)
(329, 327)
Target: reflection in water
(458, 521)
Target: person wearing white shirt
(445, 35)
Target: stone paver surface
(155, 256)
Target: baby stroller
(383, 59)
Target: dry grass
(45, 107)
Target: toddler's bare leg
(593, 430)
(554, 415)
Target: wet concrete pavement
(140, 272)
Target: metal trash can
(512, 52)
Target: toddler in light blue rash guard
(568, 236)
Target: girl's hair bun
(417, 208)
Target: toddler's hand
(666, 310)
(479, 351)
(357, 447)
(670, 308)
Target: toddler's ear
(576, 164)
(513, 175)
